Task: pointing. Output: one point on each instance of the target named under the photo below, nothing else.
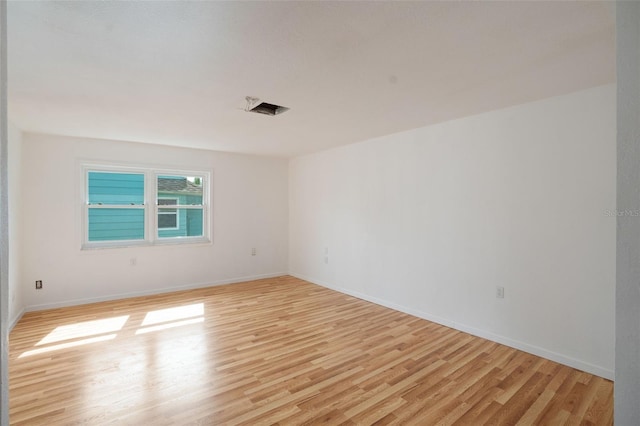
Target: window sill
(175, 241)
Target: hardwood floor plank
(279, 351)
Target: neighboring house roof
(181, 186)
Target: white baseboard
(535, 350)
(75, 302)
(14, 321)
(525, 347)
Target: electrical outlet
(500, 292)
(38, 284)
(133, 261)
(253, 251)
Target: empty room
(320, 213)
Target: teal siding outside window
(117, 223)
(116, 188)
(194, 223)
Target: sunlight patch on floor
(169, 325)
(68, 345)
(99, 330)
(173, 314)
(84, 329)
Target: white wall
(249, 207)
(16, 302)
(431, 220)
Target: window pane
(189, 223)
(167, 218)
(115, 188)
(116, 224)
(186, 189)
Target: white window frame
(150, 205)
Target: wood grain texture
(279, 351)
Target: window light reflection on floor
(169, 325)
(173, 314)
(153, 321)
(84, 329)
(68, 345)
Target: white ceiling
(177, 73)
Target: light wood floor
(279, 351)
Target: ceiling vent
(257, 106)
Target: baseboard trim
(76, 302)
(15, 320)
(525, 347)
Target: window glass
(187, 188)
(115, 188)
(186, 192)
(114, 224)
(110, 195)
(189, 223)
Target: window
(167, 218)
(186, 194)
(124, 206)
